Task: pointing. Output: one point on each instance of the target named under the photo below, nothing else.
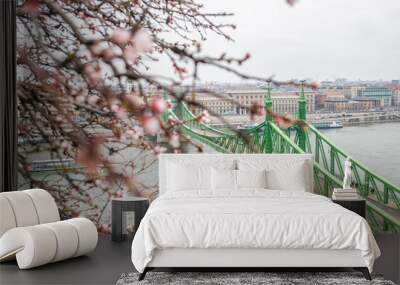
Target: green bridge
(383, 197)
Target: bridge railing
(368, 183)
(329, 172)
(251, 141)
(328, 167)
(281, 142)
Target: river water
(375, 145)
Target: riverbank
(359, 123)
(352, 119)
(347, 119)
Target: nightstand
(356, 205)
(119, 206)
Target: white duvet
(250, 218)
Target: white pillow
(224, 179)
(292, 179)
(251, 178)
(188, 177)
(283, 172)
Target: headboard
(231, 159)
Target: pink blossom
(291, 2)
(203, 117)
(129, 133)
(151, 125)
(121, 113)
(31, 7)
(114, 108)
(169, 105)
(182, 71)
(80, 99)
(130, 54)
(174, 140)
(142, 41)
(89, 154)
(93, 99)
(97, 48)
(123, 138)
(314, 85)
(121, 36)
(65, 145)
(256, 109)
(172, 121)
(28, 167)
(81, 15)
(133, 133)
(159, 149)
(93, 28)
(135, 100)
(93, 74)
(158, 105)
(139, 132)
(104, 228)
(108, 54)
(283, 122)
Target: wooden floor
(110, 260)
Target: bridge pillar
(268, 104)
(180, 110)
(177, 106)
(194, 99)
(302, 103)
(268, 119)
(174, 103)
(165, 114)
(302, 116)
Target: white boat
(328, 125)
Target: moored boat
(328, 125)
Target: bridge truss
(382, 197)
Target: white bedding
(252, 218)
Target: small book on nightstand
(344, 194)
(349, 199)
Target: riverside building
(355, 104)
(238, 102)
(382, 93)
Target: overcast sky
(329, 39)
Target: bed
(251, 210)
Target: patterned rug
(243, 278)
